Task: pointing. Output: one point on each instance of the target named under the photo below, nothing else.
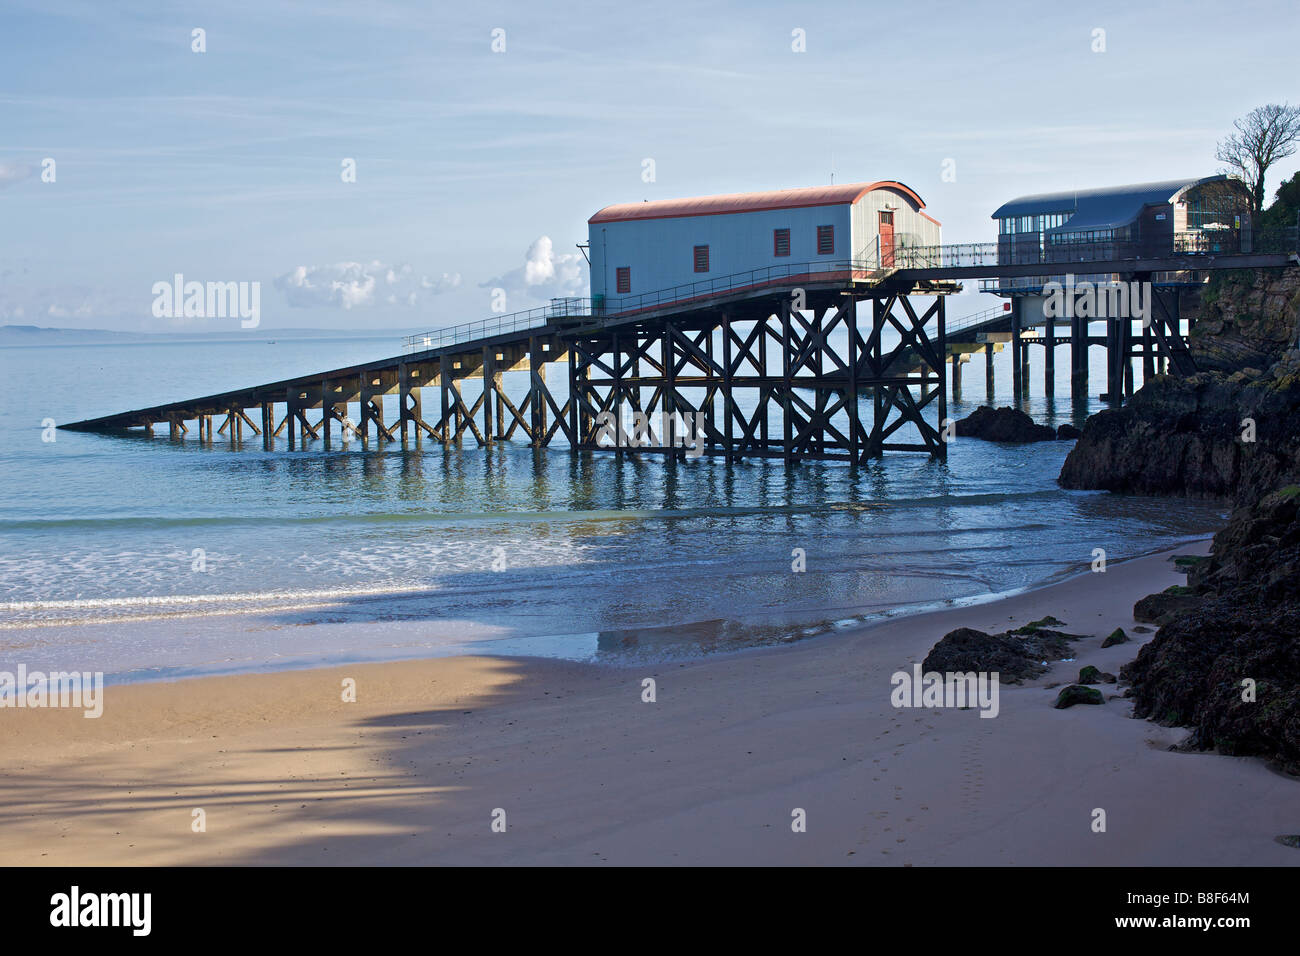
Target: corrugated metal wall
(660, 252)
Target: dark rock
(1033, 627)
(1004, 425)
(1258, 552)
(1091, 675)
(1163, 607)
(1014, 656)
(1116, 636)
(1191, 674)
(1075, 694)
(1067, 433)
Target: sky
(483, 135)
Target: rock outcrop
(1226, 658)
(1004, 425)
(1228, 665)
(1231, 431)
(1014, 655)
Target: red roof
(747, 202)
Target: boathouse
(644, 248)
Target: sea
(151, 558)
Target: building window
(623, 279)
(701, 258)
(825, 240)
(887, 218)
(780, 242)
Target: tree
(1263, 136)
(1285, 211)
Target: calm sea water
(144, 557)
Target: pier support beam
(1017, 353)
(1049, 359)
(1078, 358)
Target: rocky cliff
(1226, 659)
(1231, 431)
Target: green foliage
(1286, 205)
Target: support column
(325, 409)
(956, 377)
(290, 413)
(851, 390)
(942, 346)
(1049, 359)
(988, 372)
(1017, 369)
(728, 404)
(537, 382)
(574, 391)
(1078, 358)
(445, 380)
(787, 424)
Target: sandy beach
(415, 770)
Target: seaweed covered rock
(1230, 670)
(1165, 606)
(1077, 694)
(1014, 655)
(1092, 675)
(1116, 636)
(1257, 553)
(1003, 424)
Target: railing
(1030, 249)
(501, 324)
(976, 319)
(607, 307)
(946, 257)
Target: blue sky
(225, 165)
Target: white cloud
(11, 173)
(355, 285)
(544, 274)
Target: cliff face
(1185, 436)
(1246, 320)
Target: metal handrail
(1007, 250)
(579, 307)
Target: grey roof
(1099, 208)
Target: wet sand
(417, 769)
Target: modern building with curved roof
(648, 247)
(1145, 220)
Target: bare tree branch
(1263, 136)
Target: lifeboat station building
(639, 249)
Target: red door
(886, 239)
